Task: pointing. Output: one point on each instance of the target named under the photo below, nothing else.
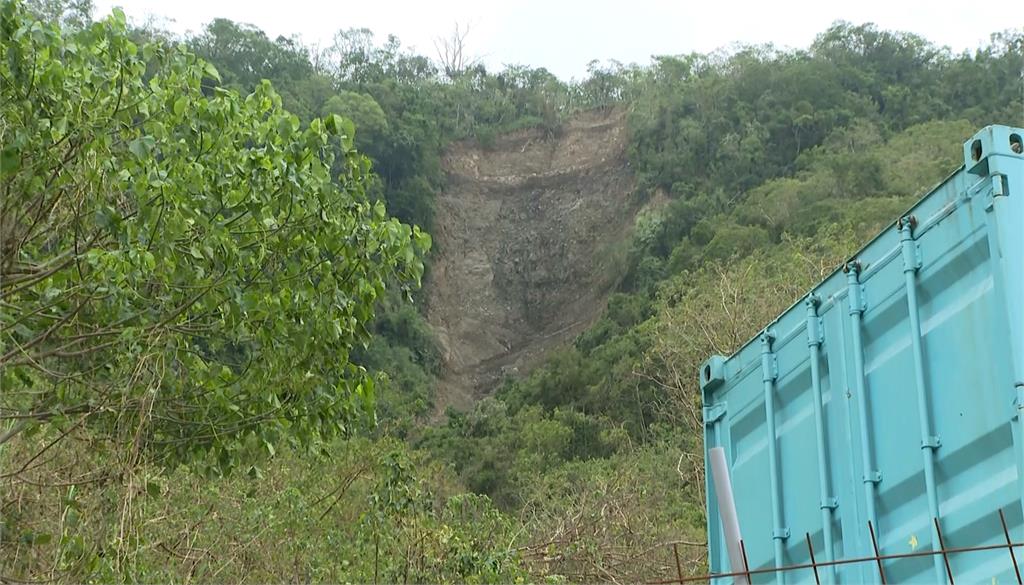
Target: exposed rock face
(529, 237)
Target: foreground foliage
(363, 512)
(181, 270)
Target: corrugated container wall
(889, 397)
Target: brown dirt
(529, 237)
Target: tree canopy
(182, 267)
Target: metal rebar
(942, 548)
(878, 557)
(679, 565)
(814, 565)
(1009, 546)
(746, 565)
(854, 560)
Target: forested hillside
(215, 361)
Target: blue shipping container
(889, 397)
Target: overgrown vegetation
(210, 371)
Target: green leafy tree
(364, 111)
(71, 14)
(178, 266)
(246, 56)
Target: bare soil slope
(526, 234)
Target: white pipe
(727, 511)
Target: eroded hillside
(529, 237)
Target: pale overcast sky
(564, 36)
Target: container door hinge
(829, 504)
(932, 442)
(873, 477)
(769, 364)
(989, 189)
(714, 413)
(769, 367)
(815, 324)
(997, 184)
(858, 302)
(909, 249)
(1018, 402)
(815, 331)
(780, 534)
(911, 256)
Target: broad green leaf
(10, 161)
(138, 148)
(211, 71)
(284, 127)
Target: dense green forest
(213, 358)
